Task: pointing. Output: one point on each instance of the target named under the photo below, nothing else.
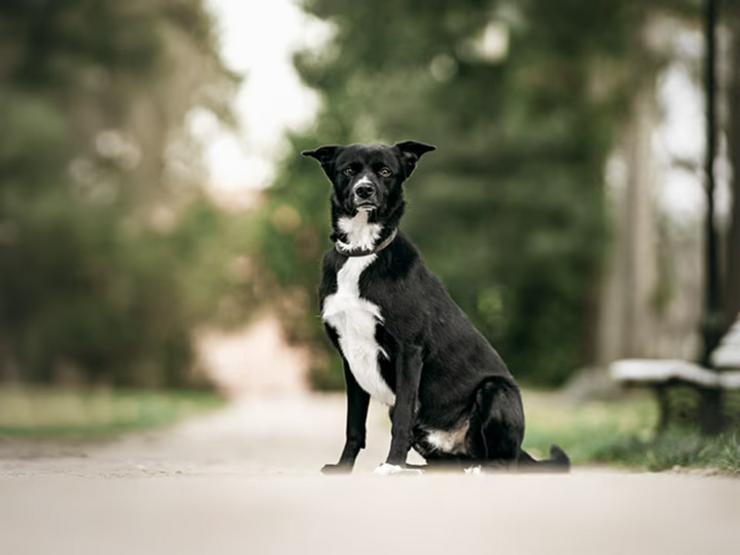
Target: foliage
(109, 254)
(622, 432)
(523, 100)
(678, 448)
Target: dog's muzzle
(365, 194)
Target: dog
(402, 339)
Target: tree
(523, 100)
(102, 233)
(733, 132)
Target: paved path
(245, 480)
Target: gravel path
(246, 480)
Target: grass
(621, 433)
(677, 448)
(36, 412)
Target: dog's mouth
(366, 205)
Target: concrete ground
(246, 480)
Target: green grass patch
(676, 448)
(80, 413)
(622, 432)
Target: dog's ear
(324, 154)
(410, 152)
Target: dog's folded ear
(324, 154)
(410, 152)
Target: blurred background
(160, 237)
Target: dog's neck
(364, 232)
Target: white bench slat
(729, 380)
(727, 353)
(657, 371)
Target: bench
(660, 374)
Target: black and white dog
(402, 338)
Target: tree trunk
(733, 240)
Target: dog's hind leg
(496, 424)
(497, 430)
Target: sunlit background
(160, 236)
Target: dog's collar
(344, 249)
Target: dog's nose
(364, 191)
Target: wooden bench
(660, 374)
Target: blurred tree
(109, 253)
(733, 135)
(524, 100)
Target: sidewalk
(246, 480)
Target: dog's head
(369, 177)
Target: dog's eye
(349, 172)
(385, 172)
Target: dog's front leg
(358, 401)
(408, 375)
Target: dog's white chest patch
(354, 320)
(360, 234)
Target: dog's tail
(558, 461)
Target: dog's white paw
(474, 470)
(386, 469)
